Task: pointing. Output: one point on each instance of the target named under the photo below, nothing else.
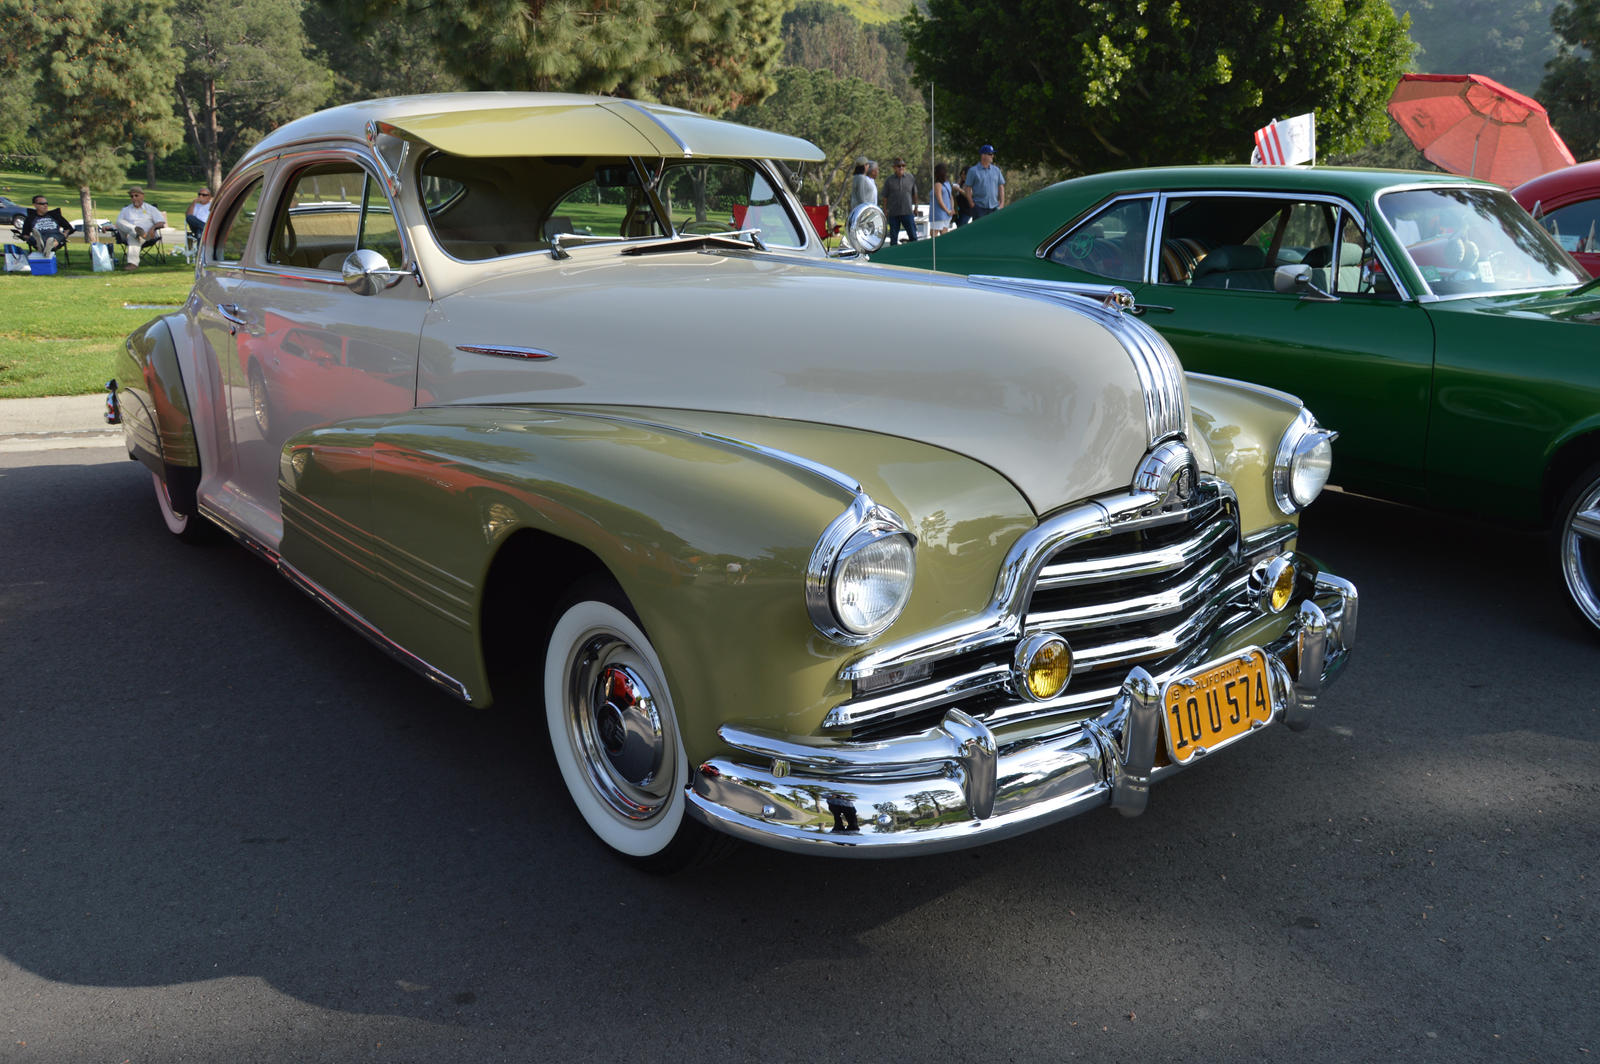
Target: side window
(1576, 226)
(1359, 273)
(234, 234)
(1237, 242)
(1111, 244)
(379, 230)
(318, 222)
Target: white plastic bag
(17, 260)
(100, 256)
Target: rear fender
(156, 419)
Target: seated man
(138, 222)
(43, 229)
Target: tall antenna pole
(933, 193)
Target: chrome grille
(1143, 590)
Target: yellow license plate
(1211, 708)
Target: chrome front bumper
(961, 784)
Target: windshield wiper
(690, 241)
(557, 251)
(1586, 286)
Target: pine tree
(104, 81)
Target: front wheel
(1578, 545)
(615, 734)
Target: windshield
(1476, 241)
(485, 208)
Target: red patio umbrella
(1472, 125)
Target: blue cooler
(42, 265)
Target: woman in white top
(943, 206)
(199, 211)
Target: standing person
(941, 204)
(199, 212)
(43, 229)
(138, 222)
(986, 184)
(862, 188)
(900, 203)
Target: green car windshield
(1476, 241)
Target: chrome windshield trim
(1157, 367)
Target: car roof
(537, 123)
(1559, 183)
(1349, 181)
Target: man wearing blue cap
(986, 184)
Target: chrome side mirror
(867, 229)
(366, 273)
(1297, 278)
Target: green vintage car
(1448, 337)
(559, 400)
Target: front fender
(1243, 424)
(710, 539)
(156, 420)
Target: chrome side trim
(531, 354)
(1159, 372)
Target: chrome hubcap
(1580, 553)
(622, 739)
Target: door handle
(233, 314)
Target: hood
(1045, 395)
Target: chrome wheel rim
(1580, 552)
(258, 400)
(623, 742)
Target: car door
(217, 323)
(1353, 348)
(311, 351)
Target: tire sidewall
(581, 618)
(1573, 573)
(177, 524)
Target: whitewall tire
(613, 729)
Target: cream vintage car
(560, 401)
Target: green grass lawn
(172, 197)
(58, 334)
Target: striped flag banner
(1286, 142)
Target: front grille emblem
(1170, 473)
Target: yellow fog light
(1274, 584)
(1042, 666)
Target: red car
(1567, 203)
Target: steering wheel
(710, 225)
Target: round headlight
(872, 581)
(1309, 469)
(861, 573)
(1305, 458)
